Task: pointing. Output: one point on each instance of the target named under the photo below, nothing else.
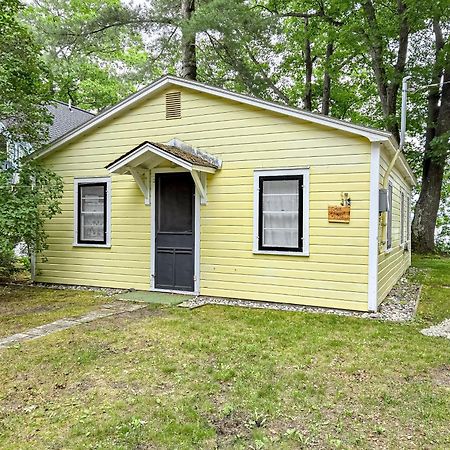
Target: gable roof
(372, 134)
(175, 151)
(65, 119)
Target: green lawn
(223, 377)
(23, 307)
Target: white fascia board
(372, 135)
(148, 148)
(115, 168)
(203, 169)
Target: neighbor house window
(281, 211)
(389, 218)
(92, 211)
(402, 217)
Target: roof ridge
(75, 107)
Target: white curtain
(92, 214)
(280, 213)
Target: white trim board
(373, 227)
(153, 232)
(121, 166)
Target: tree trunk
(326, 95)
(387, 89)
(188, 44)
(438, 124)
(307, 96)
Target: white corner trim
(76, 182)
(153, 173)
(304, 171)
(373, 226)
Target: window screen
(92, 213)
(280, 213)
(389, 218)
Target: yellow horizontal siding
(392, 264)
(245, 138)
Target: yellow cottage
(190, 188)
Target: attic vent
(173, 105)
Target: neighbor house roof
(372, 134)
(65, 119)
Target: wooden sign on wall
(339, 214)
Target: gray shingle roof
(65, 119)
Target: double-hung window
(281, 211)
(92, 212)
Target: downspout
(402, 133)
(397, 153)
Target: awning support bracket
(200, 183)
(142, 179)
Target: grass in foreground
(434, 275)
(221, 377)
(24, 307)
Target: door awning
(149, 155)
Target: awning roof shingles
(192, 157)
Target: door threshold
(173, 291)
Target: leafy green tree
(29, 196)
(24, 80)
(94, 65)
(29, 193)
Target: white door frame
(196, 291)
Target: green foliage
(93, 65)
(29, 196)
(24, 80)
(8, 263)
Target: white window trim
(408, 220)
(403, 224)
(76, 182)
(388, 248)
(275, 173)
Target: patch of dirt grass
(24, 306)
(441, 376)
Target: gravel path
(109, 292)
(440, 330)
(399, 306)
(110, 309)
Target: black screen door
(174, 242)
